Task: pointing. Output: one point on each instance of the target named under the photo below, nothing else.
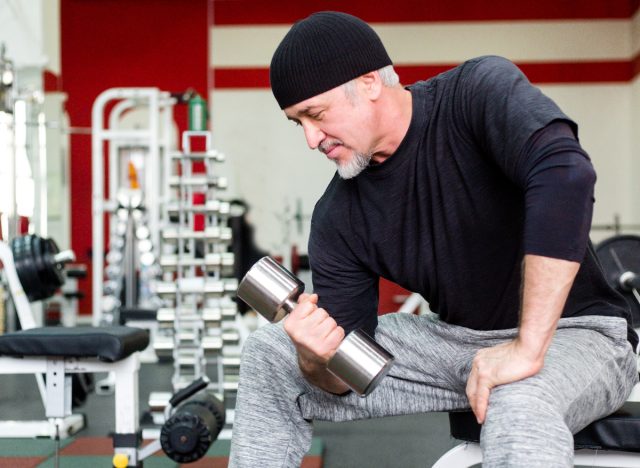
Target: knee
(268, 346)
(523, 427)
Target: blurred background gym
(145, 166)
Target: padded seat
(109, 344)
(618, 431)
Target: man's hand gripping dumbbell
(356, 360)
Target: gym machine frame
(193, 424)
(67, 423)
(150, 138)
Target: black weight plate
(18, 260)
(619, 254)
(55, 270)
(39, 290)
(36, 247)
(47, 278)
(44, 288)
(26, 267)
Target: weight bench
(59, 352)
(609, 441)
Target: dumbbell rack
(131, 261)
(197, 325)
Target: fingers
(304, 297)
(482, 402)
(472, 385)
(335, 336)
(478, 391)
(313, 330)
(303, 309)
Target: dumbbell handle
(66, 256)
(629, 280)
(288, 305)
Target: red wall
(109, 43)
(288, 11)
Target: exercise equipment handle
(66, 256)
(193, 388)
(629, 280)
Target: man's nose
(313, 134)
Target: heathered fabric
(589, 371)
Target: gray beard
(354, 166)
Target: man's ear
(371, 85)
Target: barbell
(40, 265)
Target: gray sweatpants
(589, 371)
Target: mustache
(327, 145)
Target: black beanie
(323, 51)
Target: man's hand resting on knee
(546, 284)
(316, 336)
(498, 365)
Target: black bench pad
(108, 344)
(618, 431)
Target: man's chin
(349, 171)
(354, 166)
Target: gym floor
(408, 441)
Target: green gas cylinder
(197, 113)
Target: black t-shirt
(451, 213)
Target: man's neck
(395, 110)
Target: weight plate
(55, 270)
(47, 267)
(40, 291)
(36, 247)
(619, 254)
(48, 285)
(27, 270)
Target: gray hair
(388, 76)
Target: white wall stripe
(424, 43)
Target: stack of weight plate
(114, 268)
(39, 273)
(197, 325)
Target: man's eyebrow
(306, 111)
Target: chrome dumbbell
(272, 291)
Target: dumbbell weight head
(360, 362)
(272, 290)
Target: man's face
(338, 126)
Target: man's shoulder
(488, 67)
(479, 66)
(473, 69)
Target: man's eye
(317, 116)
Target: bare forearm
(546, 285)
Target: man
(472, 189)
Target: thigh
(424, 376)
